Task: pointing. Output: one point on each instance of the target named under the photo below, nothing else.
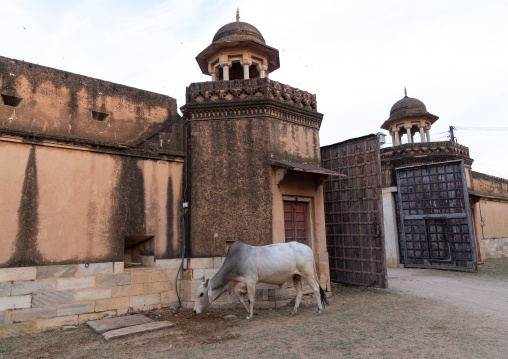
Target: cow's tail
(322, 293)
(324, 300)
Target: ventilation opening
(139, 250)
(11, 100)
(99, 116)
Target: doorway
(296, 222)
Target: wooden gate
(353, 212)
(435, 217)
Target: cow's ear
(206, 283)
(203, 278)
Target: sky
(356, 56)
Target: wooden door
(295, 222)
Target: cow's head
(202, 297)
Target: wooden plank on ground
(104, 325)
(118, 333)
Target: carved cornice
(422, 153)
(253, 98)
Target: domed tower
(238, 51)
(253, 154)
(409, 116)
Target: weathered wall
(230, 194)
(62, 205)
(60, 103)
(294, 143)
(490, 185)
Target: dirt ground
(424, 314)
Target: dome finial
(405, 91)
(237, 14)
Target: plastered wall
(63, 205)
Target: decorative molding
(426, 152)
(253, 98)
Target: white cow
(245, 266)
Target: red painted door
(295, 222)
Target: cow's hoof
(246, 320)
(292, 314)
(318, 313)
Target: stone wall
(494, 248)
(34, 299)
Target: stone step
(118, 333)
(104, 325)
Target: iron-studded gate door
(435, 217)
(353, 212)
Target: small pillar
(215, 74)
(409, 138)
(393, 138)
(397, 137)
(246, 64)
(262, 71)
(422, 134)
(427, 133)
(225, 70)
